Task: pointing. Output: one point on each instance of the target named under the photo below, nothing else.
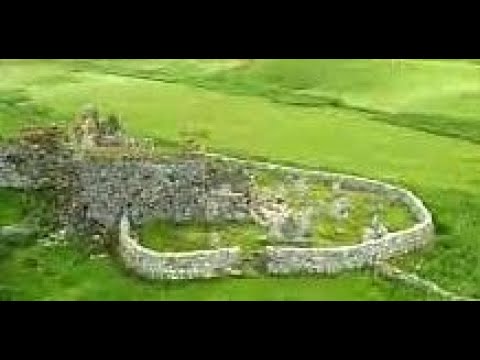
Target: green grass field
(11, 207)
(413, 123)
(166, 236)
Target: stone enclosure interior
(123, 194)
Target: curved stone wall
(162, 265)
(289, 260)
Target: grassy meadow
(414, 123)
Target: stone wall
(9, 176)
(283, 260)
(289, 260)
(176, 189)
(173, 191)
(33, 166)
(162, 265)
(415, 281)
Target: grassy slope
(439, 97)
(334, 138)
(441, 170)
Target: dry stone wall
(187, 265)
(177, 192)
(9, 176)
(290, 260)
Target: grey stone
(341, 208)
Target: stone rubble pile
(376, 230)
(9, 175)
(176, 192)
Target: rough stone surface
(9, 176)
(376, 230)
(341, 208)
(177, 192)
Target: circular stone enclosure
(283, 260)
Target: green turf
(352, 128)
(166, 236)
(65, 273)
(439, 97)
(12, 207)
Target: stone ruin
(340, 205)
(285, 225)
(97, 196)
(376, 230)
(179, 189)
(91, 130)
(95, 192)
